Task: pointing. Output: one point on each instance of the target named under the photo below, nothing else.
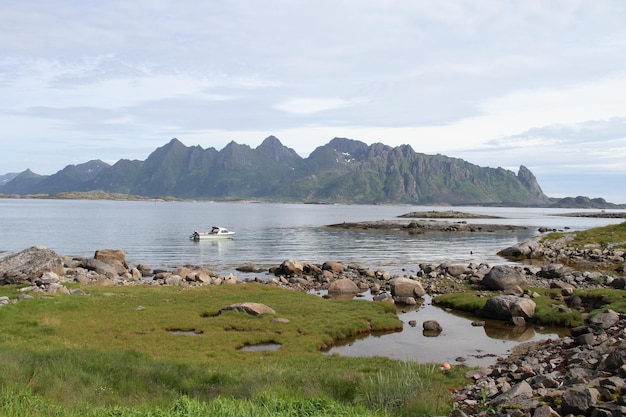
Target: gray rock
(334, 267)
(291, 267)
(405, 287)
(516, 393)
(578, 400)
(545, 411)
(605, 319)
(505, 307)
(254, 309)
(432, 325)
(502, 278)
(99, 267)
(456, 270)
(29, 264)
(343, 286)
(113, 257)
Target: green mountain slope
(344, 170)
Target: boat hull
(211, 236)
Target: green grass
(613, 235)
(546, 311)
(112, 352)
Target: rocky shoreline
(583, 374)
(424, 226)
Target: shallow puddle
(261, 347)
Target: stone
(384, 298)
(404, 287)
(113, 257)
(456, 270)
(502, 278)
(343, 286)
(279, 320)
(432, 325)
(101, 268)
(545, 411)
(249, 268)
(291, 267)
(605, 319)
(334, 267)
(578, 400)
(29, 264)
(517, 392)
(254, 309)
(505, 307)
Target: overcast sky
(497, 83)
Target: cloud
(498, 83)
(311, 105)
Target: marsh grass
(113, 350)
(613, 235)
(268, 405)
(547, 311)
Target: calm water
(157, 233)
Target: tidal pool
(459, 342)
(261, 347)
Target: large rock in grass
(505, 307)
(254, 309)
(29, 264)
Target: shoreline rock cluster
(561, 251)
(109, 267)
(583, 374)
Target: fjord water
(157, 233)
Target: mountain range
(342, 171)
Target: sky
(540, 83)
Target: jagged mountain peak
(343, 170)
(273, 149)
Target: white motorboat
(215, 233)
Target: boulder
(254, 309)
(249, 268)
(553, 271)
(343, 286)
(291, 267)
(456, 270)
(503, 278)
(101, 268)
(113, 257)
(325, 276)
(522, 250)
(29, 264)
(404, 287)
(578, 400)
(505, 307)
(604, 320)
(334, 267)
(432, 326)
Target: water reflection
(460, 341)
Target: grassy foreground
(148, 351)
